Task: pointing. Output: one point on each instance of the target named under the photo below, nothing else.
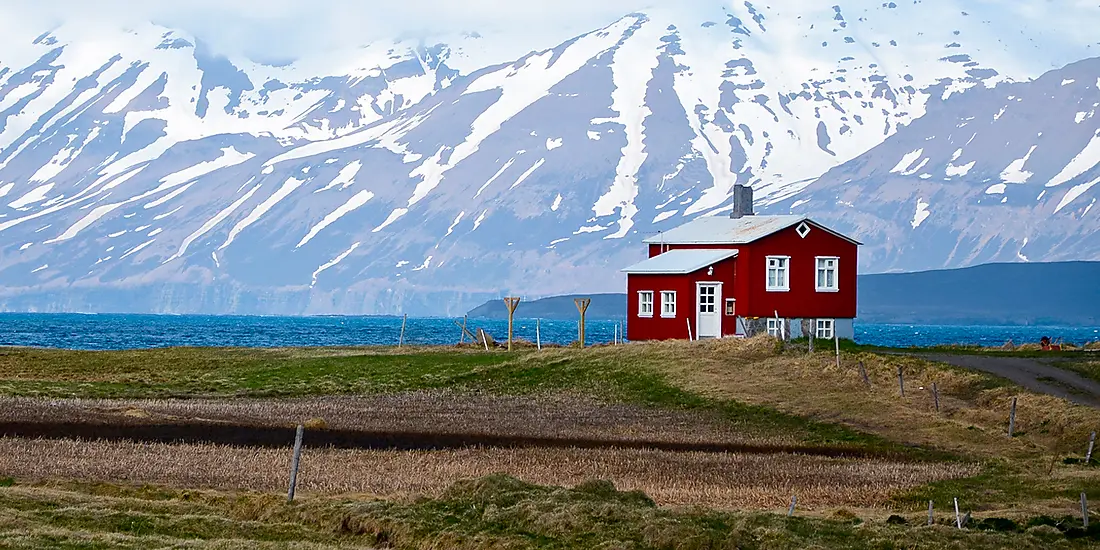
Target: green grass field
(752, 386)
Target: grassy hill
(755, 423)
(1066, 293)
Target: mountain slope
(1002, 174)
(138, 171)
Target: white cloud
(283, 29)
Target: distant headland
(1056, 293)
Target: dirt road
(1033, 374)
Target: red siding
(803, 301)
(745, 279)
(661, 328)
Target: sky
(286, 29)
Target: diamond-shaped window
(803, 229)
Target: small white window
(825, 329)
(668, 303)
(731, 307)
(774, 327)
(778, 279)
(826, 274)
(645, 303)
(803, 230)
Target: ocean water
(123, 331)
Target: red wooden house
(742, 275)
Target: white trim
(803, 230)
(775, 325)
(673, 302)
(642, 302)
(836, 273)
(785, 270)
(824, 329)
(718, 313)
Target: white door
(708, 317)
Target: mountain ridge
(151, 174)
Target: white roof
(726, 230)
(680, 262)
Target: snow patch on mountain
(1074, 192)
(1083, 162)
(358, 200)
(632, 67)
(345, 178)
(921, 213)
(906, 162)
(283, 192)
(1014, 173)
(332, 263)
(523, 177)
(38, 194)
(212, 222)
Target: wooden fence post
(930, 512)
(936, 395)
(863, 374)
(401, 339)
(958, 519)
(582, 306)
(294, 461)
(462, 337)
(1085, 510)
(1088, 455)
(811, 341)
(1012, 419)
(511, 304)
(690, 339)
(538, 333)
(836, 339)
(901, 381)
(794, 501)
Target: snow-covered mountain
(992, 175)
(139, 171)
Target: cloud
(283, 30)
(287, 29)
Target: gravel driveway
(1034, 374)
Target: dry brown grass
(551, 416)
(974, 412)
(719, 480)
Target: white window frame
(717, 288)
(643, 302)
(825, 329)
(785, 284)
(668, 298)
(836, 273)
(775, 327)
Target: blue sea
(124, 331)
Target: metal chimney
(742, 201)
